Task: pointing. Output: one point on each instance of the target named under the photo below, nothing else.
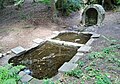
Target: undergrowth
(99, 66)
(8, 74)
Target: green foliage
(1, 4)
(102, 79)
(81, 63)
(68, 6)
(118, 1)
(89, 70)
(8, 74)
(90, 73)
(44, 1)
(76, 73)
(18, 2)
(48, 81)
(108, 51)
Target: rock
(4, 54)
(1, 55)
(77, 40)
(38, 41)
(8, 52)
(75, 26)
(27, 71)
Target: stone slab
(22, 73)
(74, 59)
(34, 45)
(38, 40)
(79, 54)
(52, 36)
(35, 81)
(84, 49)
(66, 43)
(19, 82)
(87, 32)
(95, 36)
(56, 32)
(56, 77)
(90, 42)
(66, 67)
(26, 78)
(18, 50)
(1, 55)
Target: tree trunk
(53, 9)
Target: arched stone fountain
(93, 14)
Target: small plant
(48, 81)
(76, 73)
(108, 51)
(102, 79)
(81, 63)
(8, 74)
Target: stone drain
(67, 66)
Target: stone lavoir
(50, 57)
(44, 61)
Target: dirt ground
(20, 27)
(33, 20)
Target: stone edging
(70, 65)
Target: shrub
(68, 6)
(9, 76)
(118, 1)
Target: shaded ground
(20, 27)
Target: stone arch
(91, 17)
(94, 14)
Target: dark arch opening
(91, 17)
